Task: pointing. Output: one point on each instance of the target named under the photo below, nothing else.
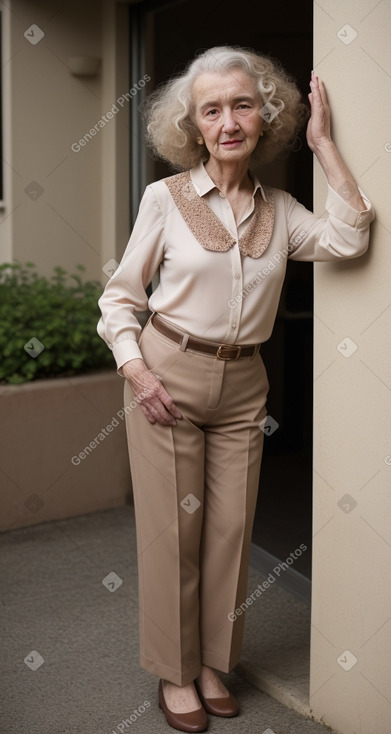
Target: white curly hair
(169, 110)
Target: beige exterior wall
(80, 214)
(352, 450)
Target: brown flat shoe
(227, 706)
(193, 721)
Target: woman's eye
(244, 106)
(211, 112)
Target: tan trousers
(195, 489)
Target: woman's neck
(229, 177)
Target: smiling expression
(227, 115)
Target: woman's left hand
(319, 140)
(318, 129)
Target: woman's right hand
(154, 400)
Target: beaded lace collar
(206, 226)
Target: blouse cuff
(339, 208)
(125, 351)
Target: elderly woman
(195, 382)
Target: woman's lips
(231, 143)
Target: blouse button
(234, 325)
(237, 276)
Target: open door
(284, 509)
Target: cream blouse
(218, 280)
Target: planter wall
(46, 425)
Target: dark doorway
(172, 33)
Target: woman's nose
(229, 122)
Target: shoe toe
(227, 706)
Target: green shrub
(61, 312)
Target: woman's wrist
(323, 147)
(338, 175)
(330, 159)
(133, 367)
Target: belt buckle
(220, 354)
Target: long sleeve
(125, 292)
(344, 233)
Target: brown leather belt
(221, 351)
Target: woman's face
(227, 114)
